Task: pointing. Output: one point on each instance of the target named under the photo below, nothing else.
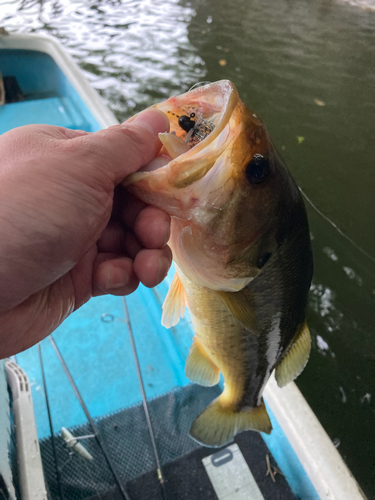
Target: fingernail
(153, 121)
(162, 269)
(167, 233)
(115, 281)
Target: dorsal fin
(295, 361)
(242, 308)
(174, 304)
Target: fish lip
(185, 170)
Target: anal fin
(217, 425)
(295, 361)
(199, 368)
(174, 304)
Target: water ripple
(133, 52)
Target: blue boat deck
(48, 98)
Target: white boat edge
(322, 462)
(29, 460)
(49, 45)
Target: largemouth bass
(241, 247)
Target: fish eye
(263, 259)
(258, 169)
(186, 123)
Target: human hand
(68, 230)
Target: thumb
(123, 149)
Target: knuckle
(27, 143)
(135, 139)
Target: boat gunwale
(50, 46)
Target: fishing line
(144, 400)
(369, 256)
(199, 84)
(98, 438)
(53, 443)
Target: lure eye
(258, 169)
(186, 123)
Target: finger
(152, 227)
(123, 149)
(119, 240)
(114, 275)
(112, 239)
(131, 208)
(152, 266)
(131, 245)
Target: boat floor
(127, 439)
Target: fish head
(220, 178)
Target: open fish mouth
(199, 128)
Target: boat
(102, 408)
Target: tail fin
(217, 425)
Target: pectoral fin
(174, 303)
(242, 308)
(295, 361)
(199, 368)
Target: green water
(286, 58)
